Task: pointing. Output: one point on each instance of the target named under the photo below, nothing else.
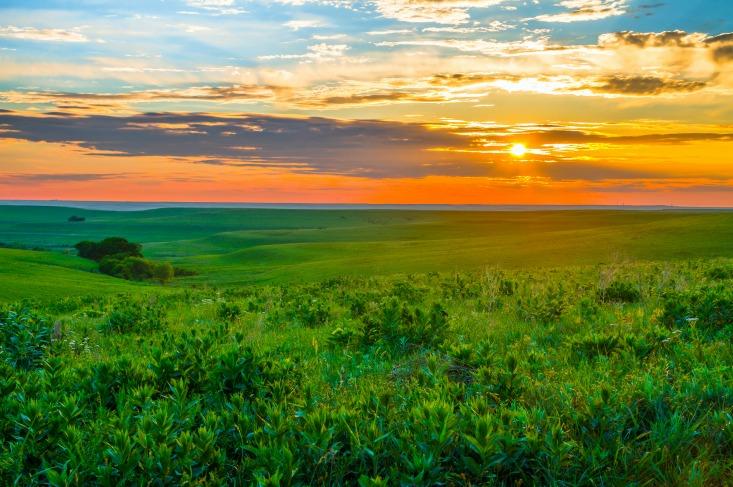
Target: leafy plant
(619, 291)
(135, 316)
(24, 338)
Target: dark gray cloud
(47, 178)
(722, 47)
(645, 85)
(366, 148)
(677, 38)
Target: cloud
(643, 85)
(363, 148)
(670, 65)
(48, 35)
(494, 26)
(722, 46)
(488, 47)
(220, 7)
(585, 10)
(121, 101)
(434, 11)
(389, 32)
(674, 38)
(9, 179)
(317, 52)
(297, 25)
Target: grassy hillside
(50, 275)
(239, 246)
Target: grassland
(601, 375)
(230, 247)
(453, 348)
(45, 276)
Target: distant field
(241, 246)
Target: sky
(375, 101)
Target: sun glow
(518, 150)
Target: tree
(112, 246)
(163, 272)
(136, 268)
(111, 266)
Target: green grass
(49, 275)
(241, 246)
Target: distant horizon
(122, 205)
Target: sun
(518, 150)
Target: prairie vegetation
(590, 375)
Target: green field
(48, 275)
(370, 348)
(239, 246)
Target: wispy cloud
(221, 7)
(39, 34)
(435, 11)
(58, 177)
(585, 10)
(300, 24)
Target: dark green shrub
(135, 316)
(111, 265)
(707, 308)
(595, 344)
(228, 312)
(136, 269)
(112, 246)
(507, 287)
(588, 308)
(544, 306)
(408, 291)
(341, 337)
(311, 312)
(183, 272)
(620, 292)
(24, 338)
(399, 325)
(720, 272)
(163, 272)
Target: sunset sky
(375, 101)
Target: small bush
(311, 312)
(24, 338)
(720, 272)
(707, 308)
(546, 306)
(136, 316)
(399, 325)
(341, 338)
(228, 312)
(620, 292)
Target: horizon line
(149, 205)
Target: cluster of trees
(120, 258)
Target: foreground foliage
(618, 375)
